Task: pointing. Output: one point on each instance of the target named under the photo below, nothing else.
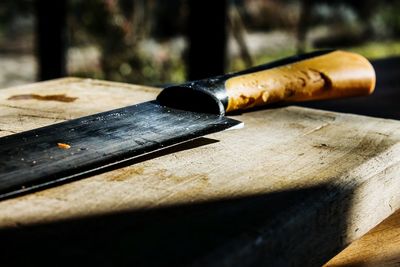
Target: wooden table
(294, 187)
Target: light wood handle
(332, 75)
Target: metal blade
(62, 151)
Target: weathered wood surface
(379, 247)
(293, 187)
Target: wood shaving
(63, 146)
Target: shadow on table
(297, 228)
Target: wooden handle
(332, 75)
(312, 76)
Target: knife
(61, 152)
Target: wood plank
(379, 247)
(293, 187)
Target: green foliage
(374, 50)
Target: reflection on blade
(66, 150)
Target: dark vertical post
(207, 38)
(303, 24)
(50, 38)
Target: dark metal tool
(67, 150)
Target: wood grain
(379, 247)
(293, 187)
(328, 76)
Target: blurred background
(156, 42)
